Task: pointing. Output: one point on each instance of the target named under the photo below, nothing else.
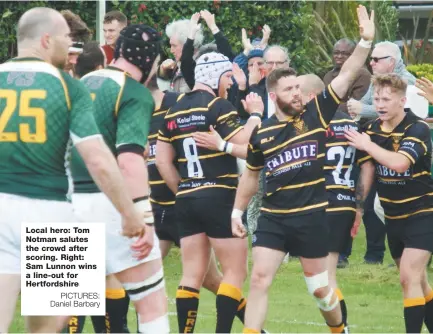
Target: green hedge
(291, 22)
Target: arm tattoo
(359, 194)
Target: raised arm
(187, 62)
(351, 67)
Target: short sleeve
(255, 157)
(134, 116)
(82, 122)
(362, 157)
(227, 122)
(325, 104)
(164, 131)
(415, 142)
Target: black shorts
(205, 215)
(165, 223)
(339, 224)
(412, 232)
(303, 235)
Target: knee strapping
(321, 281)
(158, 325)
(137, 291)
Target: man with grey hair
(385, 58)
(178, 32)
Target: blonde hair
(392, 80)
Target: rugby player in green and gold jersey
(123, 110)
(43, 111)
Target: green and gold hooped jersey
(123, 109)
(41, 108)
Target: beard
(287, 108)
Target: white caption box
(62, 269)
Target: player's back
(118, 99)
(339, 163)
(35, 118)
(201, 168)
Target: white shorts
(17, 209)
(96, 207)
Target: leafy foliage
(12, 10)
(289, 21)
(338, 19)
(418, 51)
(308, 36)
(421, 70)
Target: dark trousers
(374, 228)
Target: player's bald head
(38, 21)
(310, 83)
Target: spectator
(169, 70)
(187, 62)
(385, 58)
(274, 56)
(114, 22)
(341, 52)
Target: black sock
(227, 302)
(428, 318)
(241, 310)
(414, 311)
(187, 305)
(116, 311)
(342, 305)
(337, 329)
(75, 325)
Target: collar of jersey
(117, 69)
(289, 119)
(406, 116)
(26, 59)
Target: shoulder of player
(372, 125)
(342, 116)
(417, 125)
(221, 104)
(169, 100)
(74, 86)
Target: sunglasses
(376, 59)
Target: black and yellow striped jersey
(292, 153)
(203, 172)
(409, 193)
(339, 163)
(159, 192)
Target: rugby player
(43, 109)
(205, 187)
(399, 143)
(342, 216)
(117, 301)
(123, 109)
(163, 199)
(80, 34)
(291, 147)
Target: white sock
(160, 325)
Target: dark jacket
(356, 90)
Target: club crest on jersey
(292, 154)
(300, 126)
(396, 141)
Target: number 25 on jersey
(19, 122)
